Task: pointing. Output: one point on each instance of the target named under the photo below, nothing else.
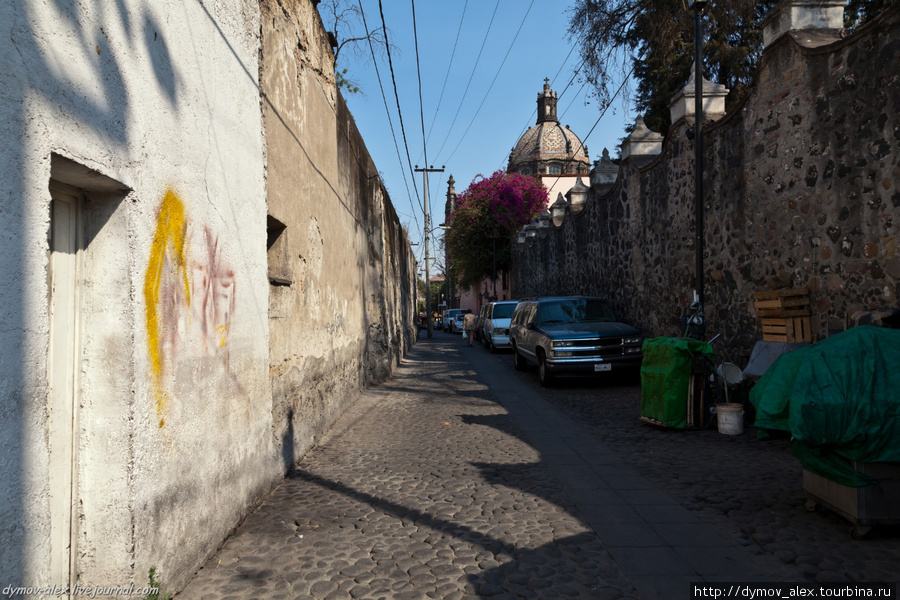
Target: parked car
(479, 325)
(496, 324)
(575, 335)
(458, 322)
(449, 315)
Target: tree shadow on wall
(38, 38)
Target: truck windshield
(579, 310)
(503, 311)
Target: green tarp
(665, 373)
(840, 401)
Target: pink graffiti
(212, 284)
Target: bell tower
(546, 101)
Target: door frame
(63, 368)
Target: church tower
(546, 104)
(548, 148)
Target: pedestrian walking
(469, 323)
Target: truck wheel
(544, 374)
(520, 363)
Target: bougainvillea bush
(488, 216)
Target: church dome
(548, 148)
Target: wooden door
(65, 251)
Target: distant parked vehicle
(458, 323)
(449, 315)
(479, 324)
(497, 317)
(575, 335)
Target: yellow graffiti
(170, 232)
(222, 330)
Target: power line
(421, 105)
(447, 76)
(624, 83)
(387, 110)
(425, 171)
(575, 97)
(565, 60)
(397, 98)
(465, 93)
(606, 108)
(490, 87)
(575, 73)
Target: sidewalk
(444, 483)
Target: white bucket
(730, 416)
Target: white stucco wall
(172, 434)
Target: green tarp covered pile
(840, 401)
(665, 373)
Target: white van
(496, 324)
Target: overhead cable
(552, 82)
(624, 83)
(474, 67)
(397, 98)
(447, 76)
(387, 110)
(490, 87)
(421, 108)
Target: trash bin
(671, 394)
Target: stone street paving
(749, 490)
(459, 479)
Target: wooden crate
(789, 329)
(782, 303)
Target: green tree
(488, 215)
(437, 287)
(860, 12)
(653, 42)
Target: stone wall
(802, 187)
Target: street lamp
(698, 6)
(544, 222)
(558, 210)
(531, 231)
(577, 196)
(521, 237)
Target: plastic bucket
(730, 416)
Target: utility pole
(698, 6)
(425, 171)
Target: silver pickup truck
(572, 335)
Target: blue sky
(469, 132)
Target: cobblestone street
(750, 490)
(459, 479)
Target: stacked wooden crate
(784, 314)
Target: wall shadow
(31, 78)
(578, 564)
(287, 443)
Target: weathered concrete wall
(136, 383)
(342, 298)
(802, 189)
